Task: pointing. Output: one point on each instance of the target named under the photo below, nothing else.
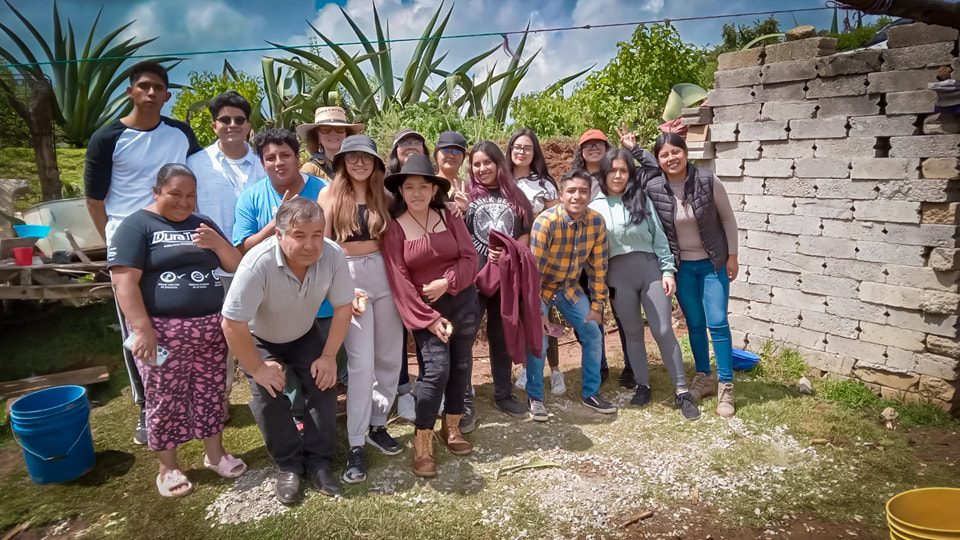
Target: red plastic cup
(23, 256)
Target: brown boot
(451, 436)
(702, 387)
(725, 406)
(423, 464)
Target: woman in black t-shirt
(163, 261)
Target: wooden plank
(57, 292)
(91, 375)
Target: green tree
(192, 100)
(14, 132)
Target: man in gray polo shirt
(269, 320)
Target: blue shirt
(257, 206)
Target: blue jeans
(703, 294)
(591, 339)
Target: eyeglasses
(354, 158)
(232, 120)
(594, 145)
(451, 150)
(521, 149)
(326, 130)
(410, 143)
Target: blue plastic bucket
(53, 428)
(32, 231)
(744, 360)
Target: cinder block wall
(846, 187)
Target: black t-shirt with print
(492, 212)
(178, 277)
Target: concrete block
(775, 278)
(939, 123)
(831, 107)
(922, 235)
(829, 188)
(856, 270)
(739, 59)
(874, 168)
(733, 78)
(800, 337)
(918, 56)
(924, 189)
(771, 241)
(790, 187)
(785, 315)
(847, 85)
(723, 132)
(788, 110)
(740, 340)
(890, 295)
(828, 362)
(732, 150)
(827, 247)
(822, 167)
(798, 299)
(940, 302)
(911, 102)
(928, 323)
(855, 309)
(794, 262)
(767, 204)
(947, 168)
(907, 35)
(750, 325)
(943, 346)
(730, 96)
(945, 259)
(881, 210)
(854, 348)
(883, 126)
(802, 49)
(728, 167)
(740, 185)
(883, 252)
(775, 130)
(796, 70)
(768, 168)
(925, 146)
(853, 230)
(922, 277)
(792, 91)
(883, 334)
(826, 128)
(828, 285)
(901, 360)
(940, 367)
(824, 208)
(696, 116)
(753, 292)
(861, 61)
(751, 221)
(885, 376)
(792, 224)
(750, 256)
(940, 213)
(787, 149)
(939, 390)
(884, 82)
(850, 147)
(829, 324)
(749, 112)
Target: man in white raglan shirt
(122, 162)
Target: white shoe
(521, 382)
(557, 386)
(407, 407)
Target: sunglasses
(594, 145)
(453, 151)
(232, 120)
(354, 158)
(332, 129)
(410, 143)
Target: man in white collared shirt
(223, 170)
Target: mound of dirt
(559, 155)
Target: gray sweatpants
(636, 277)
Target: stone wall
(846, 187)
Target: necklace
(422, 225)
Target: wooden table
(54, 282)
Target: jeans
(703, 294)
(500, 363)
(591, 339)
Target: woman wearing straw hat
(356, 209)
(323, 138)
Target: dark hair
(399, 206)
(577, 174)
(671, 139)
(505, 181)
(393, 162)
(275, 136)
(539, 163)
(633, 197)
(169, 171)
(229, 99)
(148, 66)
(578, 162)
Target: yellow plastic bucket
(925, 514)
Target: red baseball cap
(593, 135)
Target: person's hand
(359, 302)
(270, 376)
(733, 267)
(462, 201)
(207, 238)
(628, 139)
(494, 255)
(324, 372)
(435, 289)
(669, 286)
(594, 315)
(271, 226)
(441, 328)
(145, 345)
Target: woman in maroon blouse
(431, 265)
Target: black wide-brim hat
(416, 165)
(358, 143)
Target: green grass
(856, 395)
(779, 364)
(20, 163)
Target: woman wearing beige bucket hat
(323, 139)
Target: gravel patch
(251, 498)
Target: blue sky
(194, 25)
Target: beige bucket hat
(331, 117)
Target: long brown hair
(343, 211)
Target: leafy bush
(858, 37)
(780, 364)
(549, 115)
(204, 86)
(431, 118)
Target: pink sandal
(167, 484)
(229, 466)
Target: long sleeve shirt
(625, 236)
(563, 246)
(688, 231)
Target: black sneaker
(626, 378)
(468, 422)
(140, 433)
(512, 407)
(378, 438)
(356, 470)
(688, 407)
(641, 397)
(599, 404)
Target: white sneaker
(521, 382)
(557, 386)
(407, 407)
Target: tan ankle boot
(451, 436)
(423, 464)
(725, 405)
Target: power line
(428, 38)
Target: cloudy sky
(209, 25)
